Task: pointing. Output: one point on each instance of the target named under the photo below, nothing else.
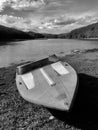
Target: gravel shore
(18, 114)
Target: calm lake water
(17, 52)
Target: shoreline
(16, 113)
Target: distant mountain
(50, 36)
(11, 34)
(90, 31)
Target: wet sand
(18, 114)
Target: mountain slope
(90, 31)
(11, 34)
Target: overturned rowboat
(48, 82)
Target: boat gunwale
(22, 69)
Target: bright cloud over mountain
(51, 16)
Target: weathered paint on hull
(51, 84)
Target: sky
(48, 16)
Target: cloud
(58, 23)
(24, 4)
(10, 20)
(66, 23)
(24, 24)
(2, 4)
(21, 4)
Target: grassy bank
(16, 113)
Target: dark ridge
(10, 34)
(87, 32)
